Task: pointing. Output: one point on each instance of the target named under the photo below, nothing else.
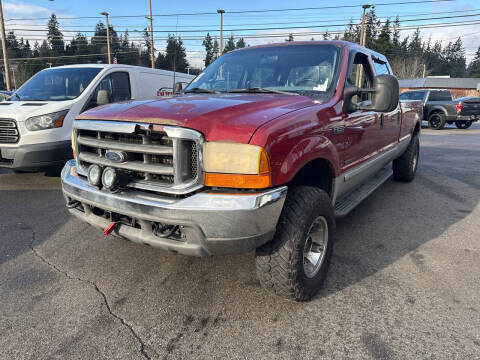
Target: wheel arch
(318, 172)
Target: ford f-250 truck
(262, 151)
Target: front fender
(305, 151)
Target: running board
(348, 202)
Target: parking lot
(404, 282)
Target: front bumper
(36, 156)
(210, 223)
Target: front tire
(463, 124)
(295, 263)
(436, 121)
(405, 167)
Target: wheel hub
(315, 247)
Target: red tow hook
(110, 227)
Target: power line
(243, 11)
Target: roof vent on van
(33, 104)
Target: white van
(36, 123)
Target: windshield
(56, 84)
(309, 70)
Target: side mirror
(384, 99)
(177, 88)
(102, 97)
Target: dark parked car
(468, 109)
(439, 108)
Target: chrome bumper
(210, 223)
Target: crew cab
(36, 123)
(262, 151)
(439, 108)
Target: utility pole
(152, 47)
(363, 33)
(221, 12)
(4, 49)
(108, 36)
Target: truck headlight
(47, 121)
(234, 165)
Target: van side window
(113, 88)
(361, 75)
(381, 67)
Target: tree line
(410, 57)
(55, 50)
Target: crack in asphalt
(95, 286)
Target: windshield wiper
(18, 97)
(201, 91)
(259, 90)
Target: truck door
(360, 126)
(390, 123)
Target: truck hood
(22, 110)
(222, 117)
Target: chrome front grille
(8, 131)
(160, 159)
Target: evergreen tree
(175, 57)
(209, 56)
(55, 36)
(326, 35)
(229, 45)
(240, 44)
(215, 50)
(290, 37)
(474, 66)
(372, 24)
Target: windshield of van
(56, 84)
(310, 70)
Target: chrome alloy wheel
(315, 247)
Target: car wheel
(295, 263)
(405, 167)
(463, 124)
(436, 121)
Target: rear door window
(381, 67)
(439, 96)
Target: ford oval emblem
(116, 156)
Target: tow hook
(72, 204)
(110, 227)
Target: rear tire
(436, 121)
(405, 167)
(463, 124)
(295, 263)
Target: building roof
(442, 83)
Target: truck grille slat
(8, 131)
(115, 145)
(153, 160)
(128, 165)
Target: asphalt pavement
(404, 282)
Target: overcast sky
(309, 20)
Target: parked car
(262, 151)
(468, 110)
(36, 123)
(439, 108)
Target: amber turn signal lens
(238, 181)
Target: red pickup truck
(262, 151)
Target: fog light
(94, 175)
(109, 178)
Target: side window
(381, 67)
(114, 87)
(361, 75)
